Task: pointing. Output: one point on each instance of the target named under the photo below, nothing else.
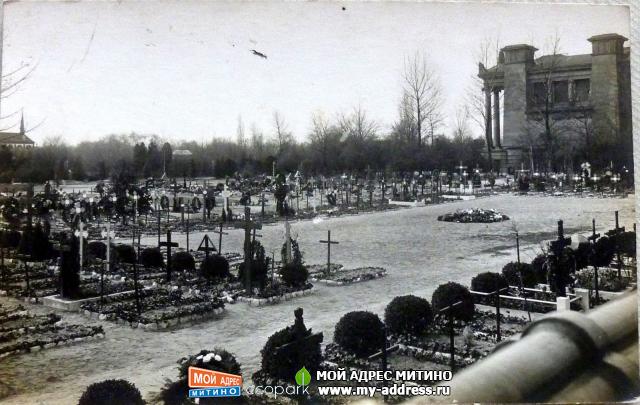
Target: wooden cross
(612, 234)
(329, 242)
(169, 245)
(496, 294)
(452, 347)
(220, 232)
(559, 244)
(557, 248)
(592, 239)
(248, 227)
(206, 248)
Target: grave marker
(169, 245)
(329, 242)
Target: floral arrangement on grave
(151, 258)
(475, 215)
(177, 392)
(360, 333)
(215, 267)
(290, 349)
(183, 261)
(69, 266)
(294, 273)
(259, 266)
(110, 392)
(450, 293)
(408, 315)
(10, 207)
(519, 274)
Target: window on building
(581, 89)
(560, 91)
(539, 93)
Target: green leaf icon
(303, 377)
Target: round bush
(511, 272)
(627, 243)
(450, 293)
(181, 261)
(125, 254)
(294, 274)
(539, 269)
(111, 392)
(97, 249)
(603, 251)
(360, 333)
(214, 267)
(151, 257)
(582, 255)
(408, 315)
(488, 282)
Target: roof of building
(15, 138)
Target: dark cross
(159, 230)
(220, 233)
(383, 188)
(262, 204)
(384, 351)
(135, 275)
(557, 248)
(558, 245)
(248, 227)
(616, 232)
(592, 239)
(169, 245)
(524, 294)
(65, 247)
(452, 347)
(206, 246)
(496, 294)
(329, 242)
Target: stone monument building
(593, 88)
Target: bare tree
(240, 139)
(282, 134)
(422, 87)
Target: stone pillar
(496, 118)
(583, 293)
(487, 117)
(563, 303)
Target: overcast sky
(184, 70)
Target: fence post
(563, 303)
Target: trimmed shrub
(151, 257)
(181, 261)
(111, 392)
(125, 254)
(214, 267)
(582, 255)
(259, 266)
(538, 265)
(511, 272)
(603, 251)
(294, 274)
(627, 243)
(450, 293)
(42, 248)
(408, 314)
(488, 282)
(284, 364)
(360, 333)
(97, 249)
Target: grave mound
(475, 215)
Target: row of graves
(584, 183)
(420, 342)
